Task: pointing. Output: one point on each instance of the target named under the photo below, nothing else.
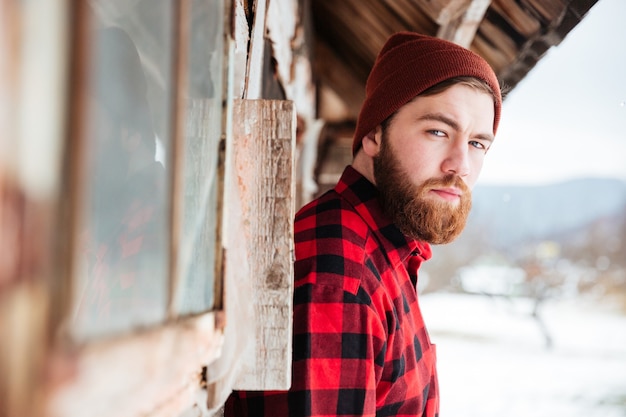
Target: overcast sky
(567, 118)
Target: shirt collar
(363, 196)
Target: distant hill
(510, 215)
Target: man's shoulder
(327, 202)
(331, 212)
(332, 241)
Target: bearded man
(360, 346)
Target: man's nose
(457, 160)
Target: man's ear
(372, 141)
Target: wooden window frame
(168, 360)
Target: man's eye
(477, 145)
(439, 133)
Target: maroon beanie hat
(410, 63)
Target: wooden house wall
(185, 367)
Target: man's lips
(448, 194)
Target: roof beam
(443, 11)
(459, 25)
(518, 17)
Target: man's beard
(415, 214)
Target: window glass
(202, 134)
(124, 231)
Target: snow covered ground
(493, 360)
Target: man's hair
(472, 82)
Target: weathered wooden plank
(341, 80)
(412, 15)
(444, 11)
(254, 80)
(281, 29)
(493, 44)
(580, 7)
(548, 10)
(517, 17)
(239, 49)
(177, 186)
(24, 315)
(157, 373)
(264, 134)
(360, 42)
(463, 29)
(33, 94)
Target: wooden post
(264, 134)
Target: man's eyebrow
(453, 124)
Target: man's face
(429, 158)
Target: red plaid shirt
(360, 347)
